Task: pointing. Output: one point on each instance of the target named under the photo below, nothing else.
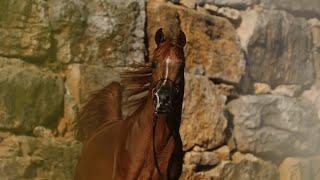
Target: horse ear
(159, 37)
(181, 39)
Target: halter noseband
(155, 90)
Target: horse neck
(140, 133)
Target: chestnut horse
(146, 144)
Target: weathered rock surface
(243, 166)
(212, 48)
(287, 90)
(201, 158)
(275, 126)
(223, 152)
(297, 7)
(43, 132)
(68, 23)
(278, 47)
(113, 34)
(23, 157)
(95, 32)
(308, 8)
(230, 3)
(314, 25)
(71, 109)
(261, 88)
(66, 13)
(299, 168)
(188, 3)
(203, 121)
(82, 80)
(313, 95)
(246, 167)
(99, 32)
(24, 29)
(29, 97)
(190, 172)
(107, 32)
(210, 7)
(231, 14)
(315, 31)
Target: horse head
(168, 69)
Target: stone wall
(252, 96)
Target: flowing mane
(135, 83)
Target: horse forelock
(168, 49)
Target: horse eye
(154, 64)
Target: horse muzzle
(163, 99)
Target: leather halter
(155, 120)
(154, 125)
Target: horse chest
(149, 170)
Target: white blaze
(166, 71)
(165, 80)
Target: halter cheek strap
(154, 125)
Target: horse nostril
(164, 95)
(165, 99)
